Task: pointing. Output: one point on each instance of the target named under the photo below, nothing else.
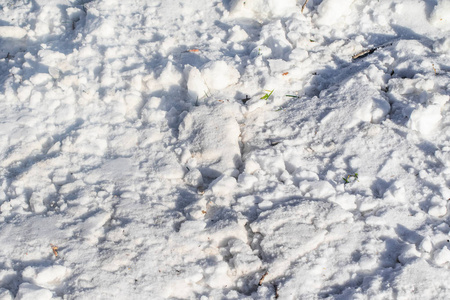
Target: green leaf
(267, 95)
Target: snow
(440, 16)
(28, 291)
(12, 32)
(331, 12)
(47, 277)
(224, 149)
(261, 9)
(425, 119)
(218, 75)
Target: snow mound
(223, 185)
(212, 138)
(196, 85)
(12, 32)
(219, 74)
(442, 256)
(28, 291)
(442, 46)
(366, 102)
(47, 277)
(440, 17)
(425, 119)
(330, 11)
(317, 189)
(262, 9)
(214, 76)
(278, 46)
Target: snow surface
(224, 149)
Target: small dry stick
(364, 52)
(369, 51)
(304, 5)
(435, 72)
(262, 278)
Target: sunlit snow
(229, 149)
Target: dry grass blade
(262, 278)
(304, 5)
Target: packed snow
(224, 149)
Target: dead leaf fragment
(54, 249)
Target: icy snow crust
(138, 160)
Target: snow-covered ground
(198, 149)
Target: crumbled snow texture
(212, 138)
(218, 75)
(262, 9)
(331, 12)
(425, 120)
(141, 158)
(440, 16)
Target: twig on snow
(304, 5)
(262, 278)
(364, 53)
(276, 291)
(369, 51)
